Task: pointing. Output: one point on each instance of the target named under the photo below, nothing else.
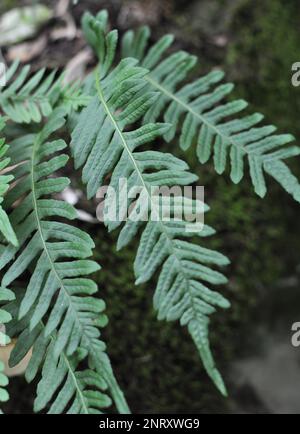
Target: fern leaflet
(5, 317)
(5, 226)
(3, 383)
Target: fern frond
(103, 143)
(5, 317)
(94, 28)
(5, 226)
(74, 391)
(200, 112)
(27, 99)
(64, 386)
(56, 252)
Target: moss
(156, 363)
(265, 44)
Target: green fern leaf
(5, 226)
(207, 119)
(5, 317)
(103, 143)
(3, 383)
(105, 44)
(64, 386)
(27, 99)
(56, 252)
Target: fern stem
(39, 228)
(78, 388)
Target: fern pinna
(10, 237)
(5, 226)
(58, 293)
(5, 317)
(3, 383)
(104, 143)
(28, 99)
(63, 387)
(197, 111)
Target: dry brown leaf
(20, 369)
(76, 68)
(136, 13)
(68, 32)
(27, 51)
(62, 7)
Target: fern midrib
(40, 230)
(120, 401)
(203, 120)
(77, 386)
(172, 249)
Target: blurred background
(255, 42)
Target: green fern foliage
(75, 392)
(63, 388)
(9, 234)
(5, 226)
(29, 97)
(56, 253)
(200, 111)
(104, 143)
(103, 42)
(25, 99)
(3, 383)
(5, 317)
